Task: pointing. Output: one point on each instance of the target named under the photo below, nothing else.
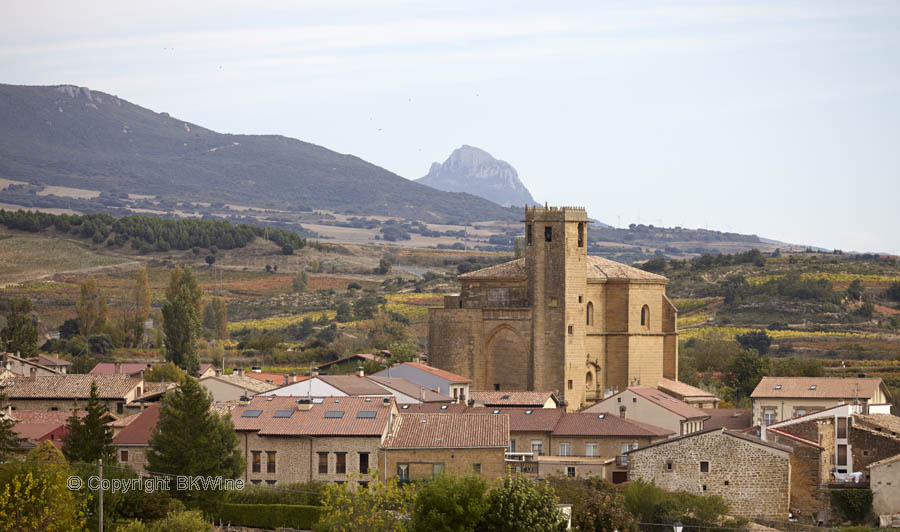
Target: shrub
(450, 504)
(854, 504)
(300, 493)
(270, 515)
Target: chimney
(33, 373)
(314, 372)
(118, 368)
(293, 377)
(360, 372)
(421, 394)
(287, 380)
(218, 372)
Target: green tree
(518, 504)
(655, 265)
(91, 308)
(798, 367)
(299, 282)
(215, 317)
(380, 508)
(384, 267)
(9, 438)
(167, 372)
(90, 438)
(893, 291)
(596, 504)
(344, 312)
(190, 439)
(20, 333)
(185, 521)
(34, 496)
(181, 319)
(140, 307)
(450, 504)
(756, 340)
(855, 290)
(746, 370)
(519, 249)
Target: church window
(645, 317)
(590, 313)
(589, 379)
(528, 234)
(581, 234)
(570, 384)
(571, 329)
(548, 233)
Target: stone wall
(753, 478)
(459, 462)
(868, 447)
(885, 485)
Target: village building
(433, 378)
(23, 366)
(752, 475)
(133, 440)
(232, 387)
(557, 319)
(779, 398)
(405, 392)
(36, 426)
(885, 486)
(329, 439)
(425, 445)
(349, 363)
(55, 363)
(727, 418)
(686, 393)
(515, 399)
(137, 369)
(653, 407)
(69, 392)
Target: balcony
(622, 460)
(521, 463)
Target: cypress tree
(90, 438)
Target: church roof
(598, 269)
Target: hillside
(68, 136)
(472, 169)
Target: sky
(775, 118)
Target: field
(25, 258)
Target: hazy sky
(776, 118)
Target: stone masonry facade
(543, 323)
(754, 478)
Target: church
(557, 319)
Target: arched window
(589, 379)
(645, 317)
(590, 313)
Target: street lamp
(677, 526)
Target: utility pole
(100, 470)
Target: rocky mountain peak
(473, 170)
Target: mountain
(75, 137)
(473, 169)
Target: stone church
(558, 319)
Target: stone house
(780, 398)
(71, 391)
(728, 418)
(688, 394)
(23, 366)
(331, 386)
(523, 399)
(433, 378)
(752, 475)
(557, 319)
(425, 445)
(653, 407)
(885, 485)
(232, 387)
(405, 392)
(41, 425)
(132, 441)
(55, 363)
(329, 439)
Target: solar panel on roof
(334, 414)
(317, 400)
(366, 414)
(251, 413)
(283, 413)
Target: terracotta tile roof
(156, 388)
(585, 424)
(45, 416)
(432, 408)
(668, 402)
(243, 381)
(411, 389)
(448, 431)
(364, 356)
(726, 432)
(27, 362)
(604, 269)
(127, 368)
(273, 378)
(354, 385)
(729, 418)
(49, 360)
(884, 423)
(682, 389)
(525, 419)
(817, 387)
(512, 270)
(453, 378)
(598, 269)
(205, 367)
(138, 432)
(512, 398)
(316, 421)
(123, 422)
(71, 386)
